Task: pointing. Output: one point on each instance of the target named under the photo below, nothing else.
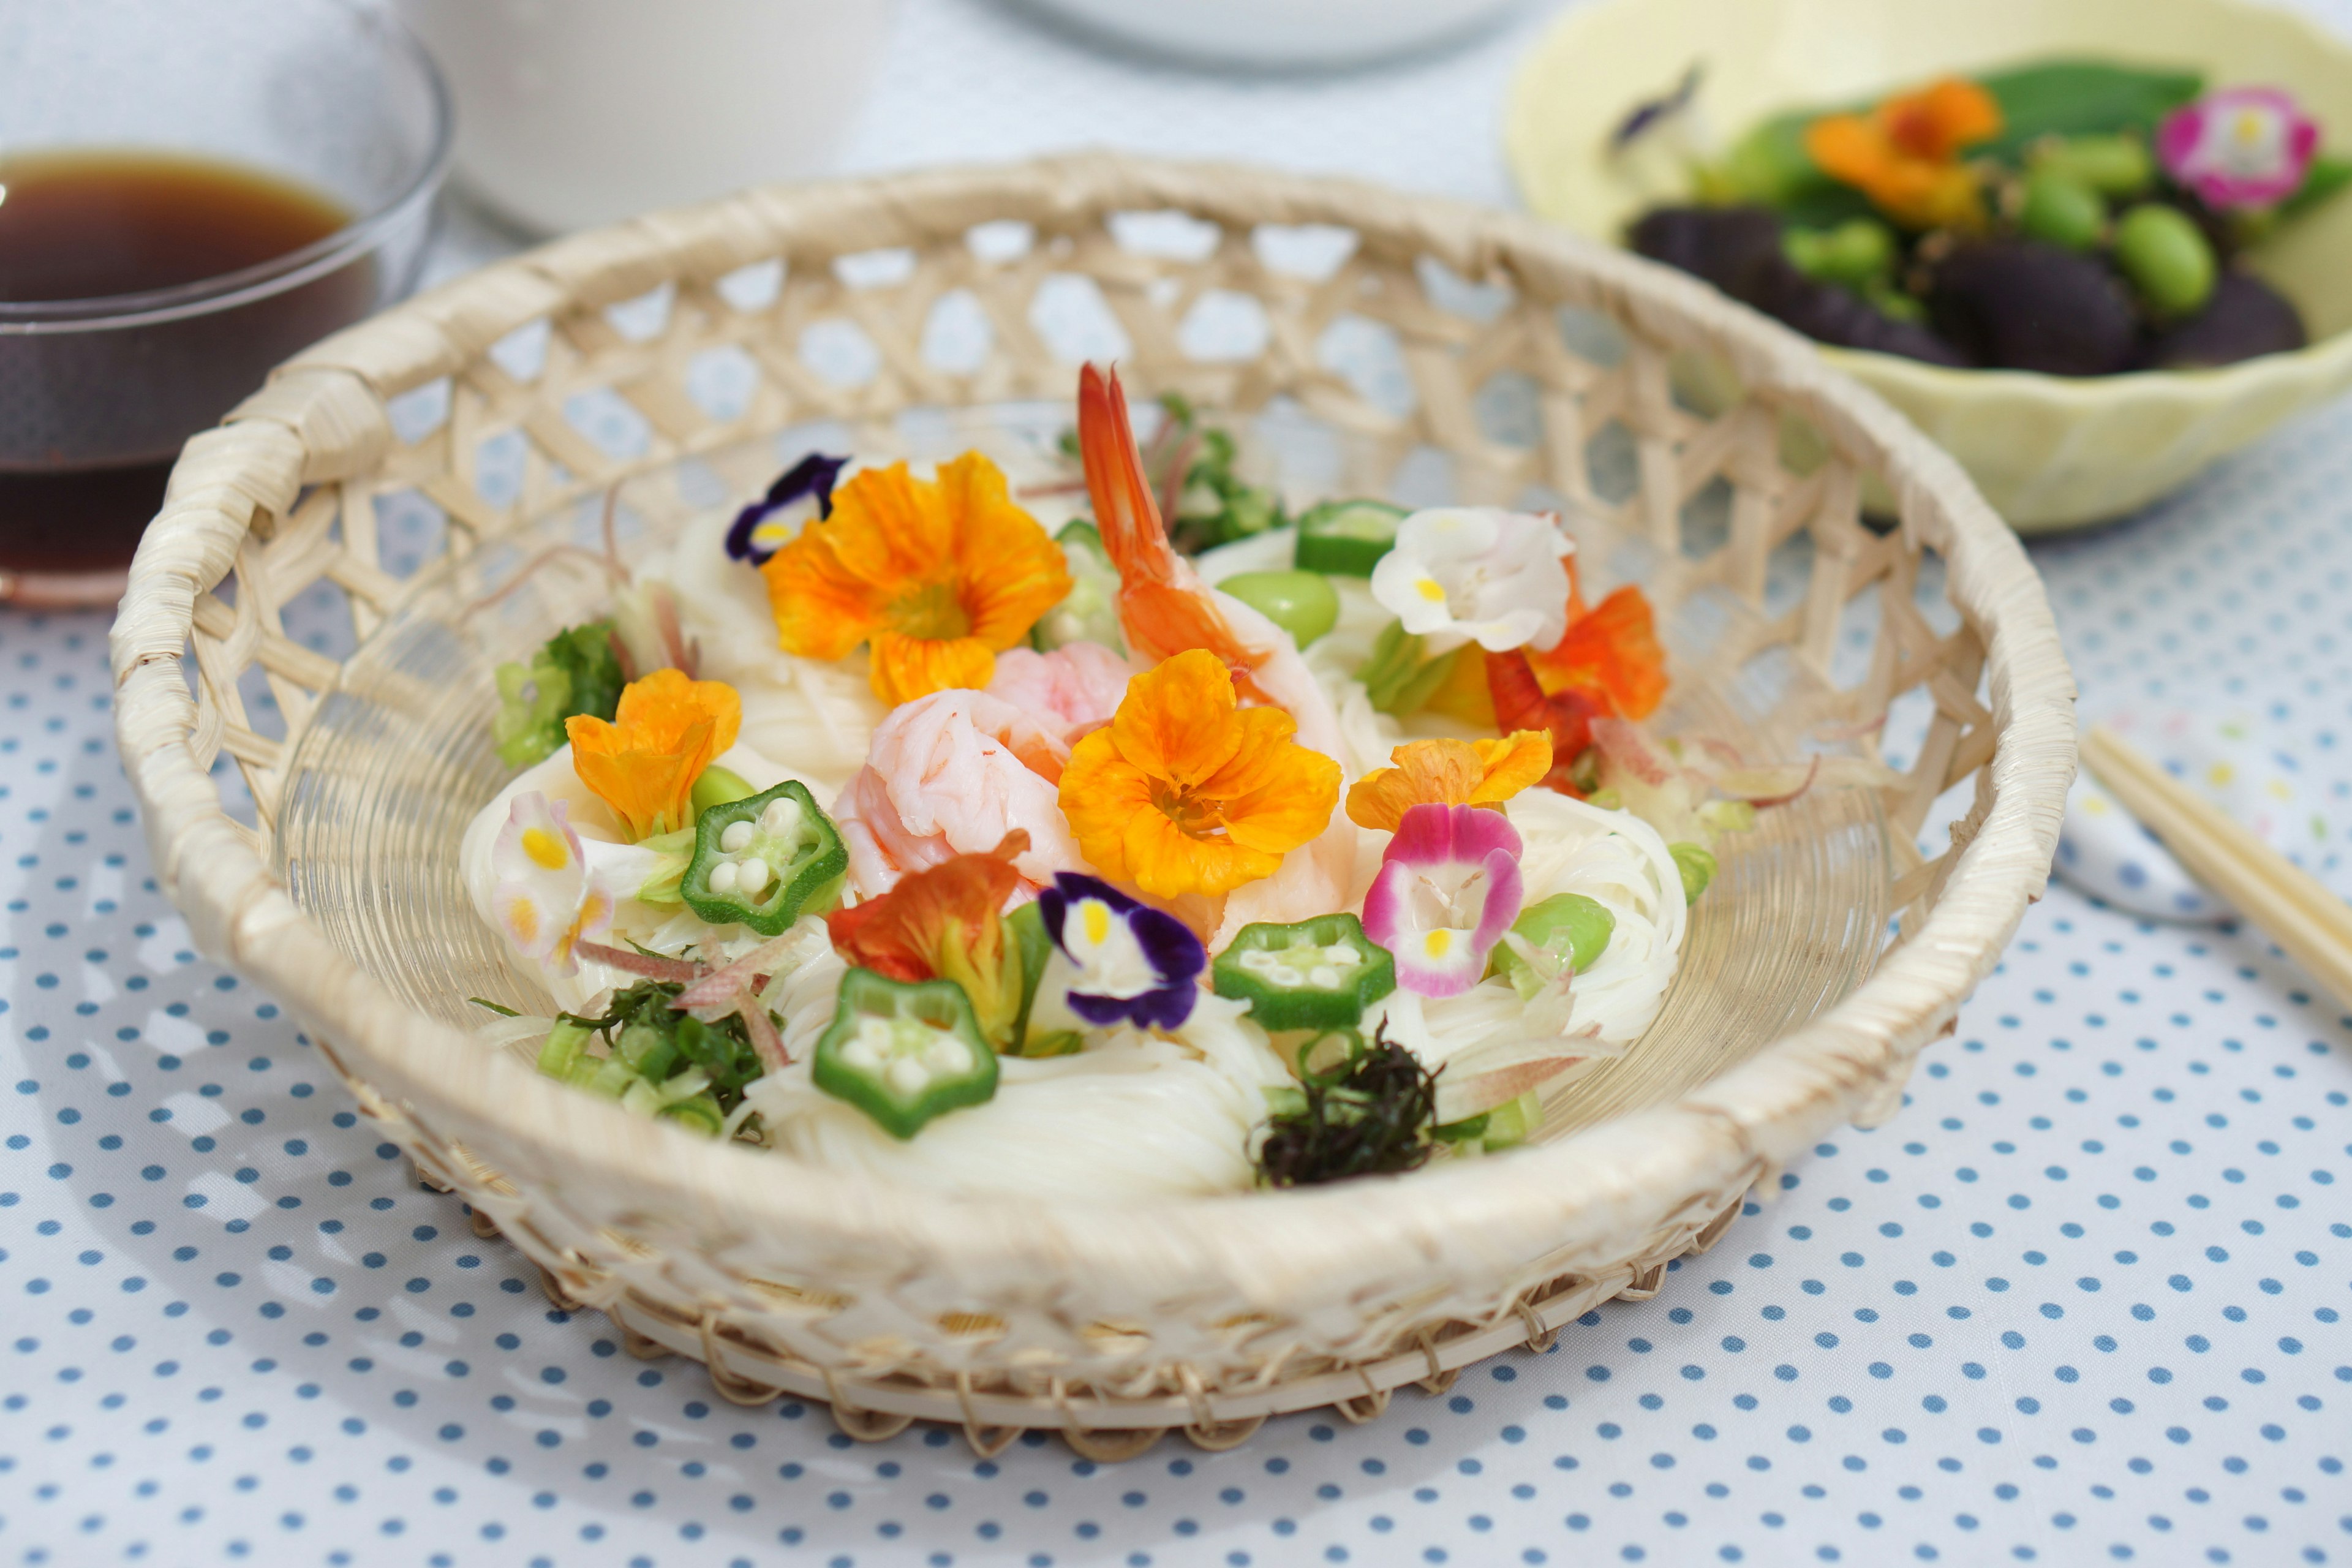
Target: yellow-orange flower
(1904, 154)
(664, 732)
(1449, 772)
(1611, 652)
(938, 576)
(1185, 791)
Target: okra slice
(764, 860)
(903, 1051)
(1347, 538)
(1312, 975)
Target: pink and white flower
(546, 899)
(1476, 574)
(2240, 147)
(1448, 889)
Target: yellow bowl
(2048, 452)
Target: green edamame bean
(1854, 252)
(2062, 210)
(1301, 603)
(1696, 864)
(1569, 924)
(2112, 165)
(719, 786)
(2166, 258)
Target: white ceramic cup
(577, 112)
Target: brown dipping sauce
(91, 422)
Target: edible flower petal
(768, 524)
(1449, 772)
(1567, 715)
(546, 900)
(1904, 154)
(1611, 652)
(643, 763)
(946, 922)
(1448, 889)
(938, 576)
(1185, 791)
(1461, 575)
(1128, 962)
(2240, 147)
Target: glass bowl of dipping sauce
(189, 192)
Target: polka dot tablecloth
(2081, 1301)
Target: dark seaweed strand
(1370, 1116)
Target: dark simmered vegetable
(2069, 217)
(2024, 305)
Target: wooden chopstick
(2311, 924)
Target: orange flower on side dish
(938, 576)
(1905, 154)
(1185, 791)
(664, 732)
(1449, 772)
(1611, 652)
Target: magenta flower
(2240, 147)
(1447, 891)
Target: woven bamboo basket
(1741, 462)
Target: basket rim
(1495, 1218)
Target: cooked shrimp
(1165, 608)
(951, 774)
(1070, 691)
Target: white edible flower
(1465, 573)
(546, 899)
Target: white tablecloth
(2080, 1301)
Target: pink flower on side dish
(1076, 687)
(2240, 147)
(951, 774)
(1447, 891)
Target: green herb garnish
(1189, 465)
(578, 671)
(658, 1061)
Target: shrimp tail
(1127, 514)
(1163, 606)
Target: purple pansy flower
(1448, 889)
(1131, 963)
(2240, 147)
(810, 479)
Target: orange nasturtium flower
(938, 575)
(1449, 772)
(664, 732)
(1905, 154)
(1611, 652)
(1185, 791)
